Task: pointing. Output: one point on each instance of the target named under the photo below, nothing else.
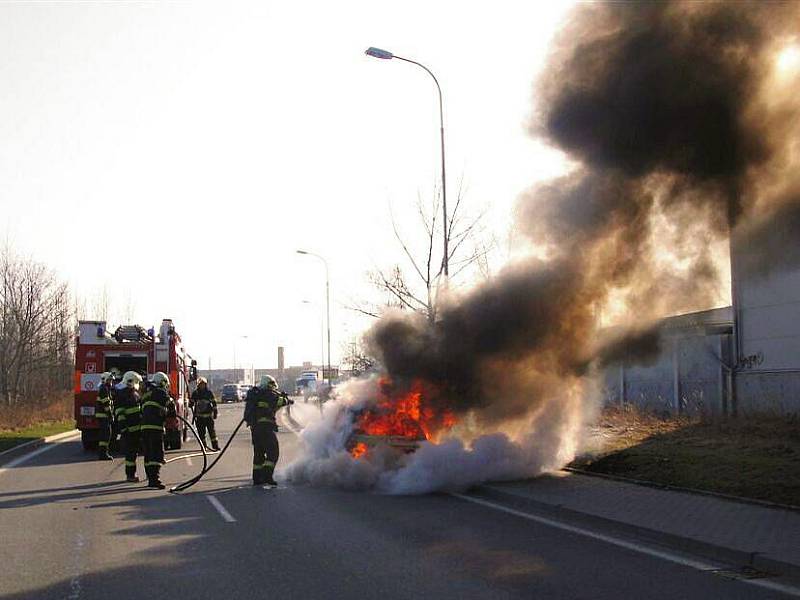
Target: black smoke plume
(681, 130)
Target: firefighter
(157, 405)
(104, 413)
(259, 413)
(204, 407)
(128, 411)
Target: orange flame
(359, 450)
(402, 413)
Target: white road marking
(662, 554)
(221, 509)
(189, 460)
(75, 584)
(26, 457)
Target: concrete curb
(692, 546)
(677, 488)
(7, 455)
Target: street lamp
(386, 55)
(235, 375)
(321, 329)
(327, 306)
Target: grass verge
(749, 457)
(10, 438)
(28, 421)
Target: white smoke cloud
(545, 440)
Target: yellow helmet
(202, 380)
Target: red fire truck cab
(130, 348)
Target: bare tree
(129, 310)
(417, 287)
(36, 330)
(101, 306)
(355, 355)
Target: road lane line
(75, 584)
(220, 509)
(592, 534)
(26, 457)
(664, 555)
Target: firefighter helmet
(268, 381)
(107, 377)
(202, 380)
(132, 379)
(161, 380)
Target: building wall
(687, 378)
(768, 308)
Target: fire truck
(130, 348)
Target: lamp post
(321, 330)
(327, 305)
(386, 55)
(235, 378)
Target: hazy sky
(178, 153)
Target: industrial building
(738, 359)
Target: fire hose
(203, 449)
(206, 467)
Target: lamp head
(378, 53)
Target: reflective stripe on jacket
(104, 405)
(203, 403)
(261, 405)
(156, 403)
(128, 410)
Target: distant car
(231, 392)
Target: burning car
(400, 418)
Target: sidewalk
(765, 538)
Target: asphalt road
(71, 528)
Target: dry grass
(31, 421)
(623, 427)
(25, 415)
(754, 457)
